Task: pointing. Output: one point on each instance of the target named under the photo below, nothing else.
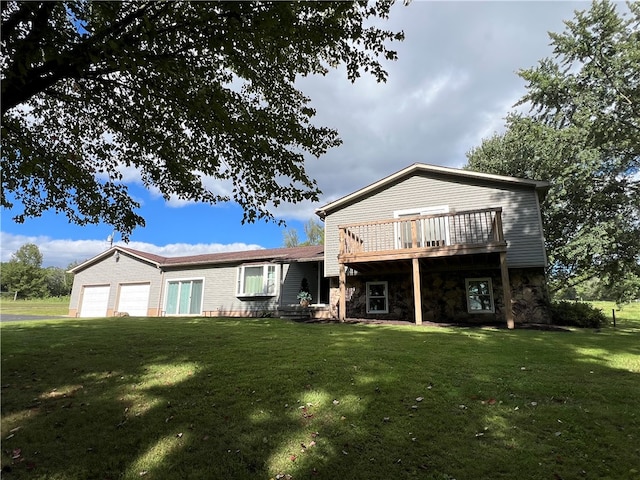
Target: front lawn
(167, 398)
(52, 306)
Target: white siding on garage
(95, 299)
(134, 299)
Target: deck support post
(342, 305)
(417, 297)
(506, 289)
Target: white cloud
(453, 84)
(62, 252)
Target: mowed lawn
(183, 398)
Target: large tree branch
(70, 64)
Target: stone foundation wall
(444, 296)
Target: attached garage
(134, 299)
(95, 299)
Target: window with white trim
(479, 295)
(257, 281)
(184, 297)
(377, 297)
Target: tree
(314, 231)
(582, 135)
(57, 280)
(594, 82)
(178, 91)
(23, 273)
(291, 238)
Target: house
(425, 243)
(124, 281)
(435, 243)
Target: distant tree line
(24, 274)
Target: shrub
(577, 314)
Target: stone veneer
(443, 296)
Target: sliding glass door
(184, 297)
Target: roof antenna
(110, 239)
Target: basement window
(479, 295)
(377, 297)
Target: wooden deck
(418, 237)
(446, 234)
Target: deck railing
(465, 229)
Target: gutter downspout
(159, 311)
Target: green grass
(626, 315)
(54, 306)
(165, 398)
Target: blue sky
(454, 83)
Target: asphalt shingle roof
(293, 254)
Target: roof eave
(540, 186)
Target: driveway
(7, 317)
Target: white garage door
(95, 300)
(134, 299)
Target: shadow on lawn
(269, 399)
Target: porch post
(417, 298)
(506, 289)
(342, 305)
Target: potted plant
(303, 295)
(305, 298)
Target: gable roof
(276, 255)
(423, 168)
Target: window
(184, 297)
(377, 297)
(256, 280)
(479, 295)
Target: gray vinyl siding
(219, 290)
(520, 212)
(220, 283)
(293, 281)
(110, 272)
